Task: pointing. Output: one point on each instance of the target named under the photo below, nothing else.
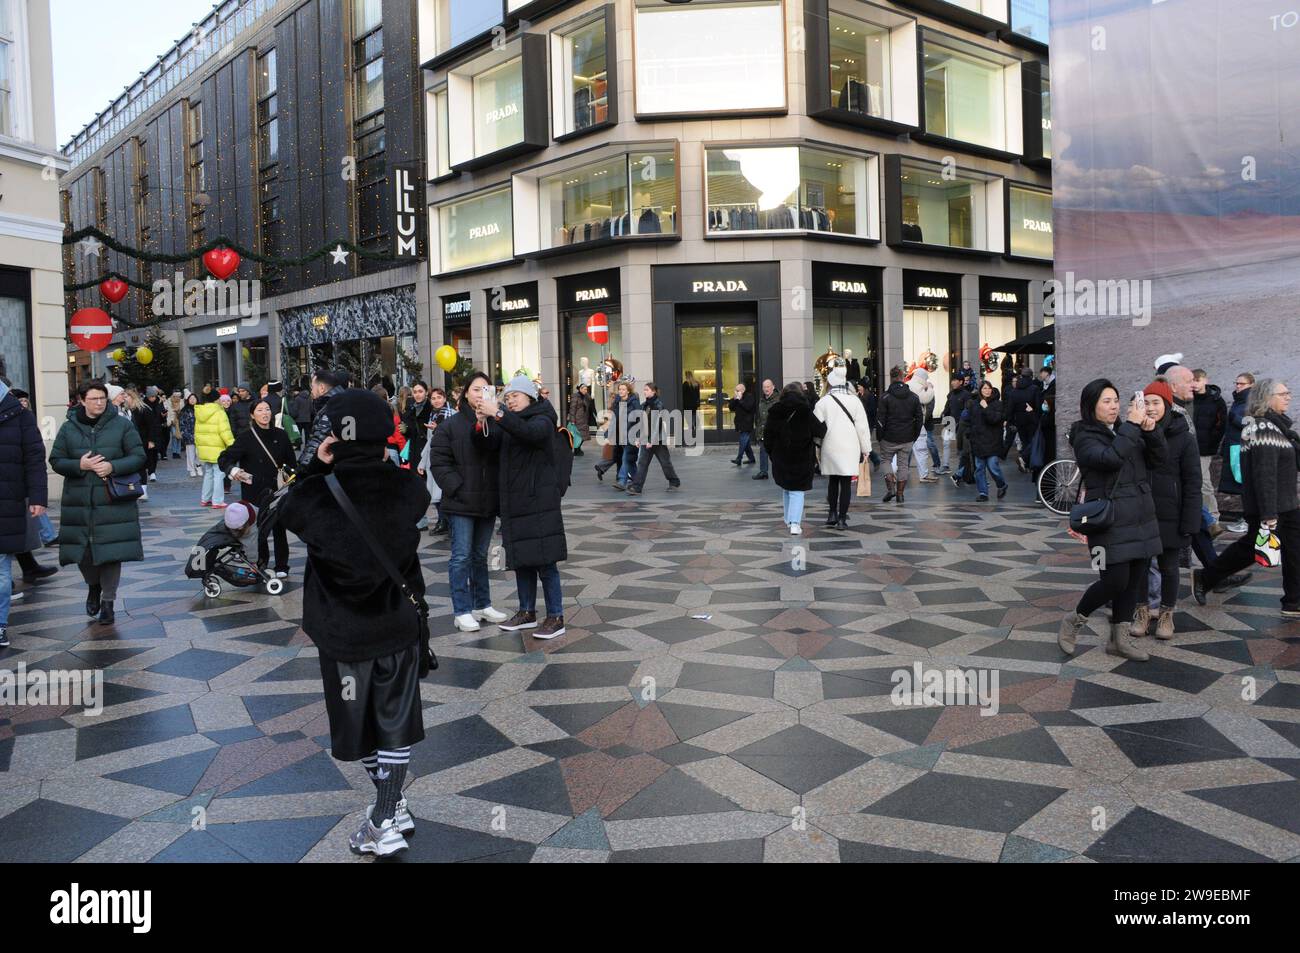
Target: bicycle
(1058, 486)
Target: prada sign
(846, 284)
(741, 281)
(931, 288)
(512, 301)
(1001, 294)
(408, 208)
(594, 291)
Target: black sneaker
(982, 498)
(831, 520)
(4, 638)
(92, 600)
(736, 462)
(759, 476)
(843, 523)
(1002, 491)
(106, 616)
(633, 490)
(675, 486)
(40, 572)
(1232, 582)
(1198, 586)
(956, 480)
(600, 474)
(520, 620)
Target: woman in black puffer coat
(532, 525)
(985, 436)
(1176, 487)
(789, 434)
(255, 460)
(1115, 457)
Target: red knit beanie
(1160, 389)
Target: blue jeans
(526, 584)
(762, 461)
(6, 587)
(47, 530)
(932, 447)
(744, 447)
(627, 465)
(174, 446)
(467, 569)
(994, 466)
(214, 490)
(792, 501)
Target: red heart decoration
(222, 262)
(114, 289)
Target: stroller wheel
(275, 586)
(212, 588)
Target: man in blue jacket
(23, 489)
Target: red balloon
(598, 328)
(91, 329)
(114, 289)
(222, 262)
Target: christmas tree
(163, 371)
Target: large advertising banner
(1176, 178)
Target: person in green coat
(94, 533)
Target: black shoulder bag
(1095, 516)
(428, 660)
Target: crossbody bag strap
(381, 556)
(266, 451)
(846, 414)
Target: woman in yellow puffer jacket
(212, 436)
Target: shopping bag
(864, 478)
(1268, 548)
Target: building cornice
(31, 228)
(32, 155)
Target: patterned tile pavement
(723, 694)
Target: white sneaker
(795, 529)
(466, 622)
(402, 817)
(1237, 527)
(489, 615)
(281, 575)
(153, 478)
(380, 841)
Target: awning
(1042, 341)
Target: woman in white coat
(926, 453)
(846, 444)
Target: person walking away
(901, 419)
(1021, 415)
(326, 384)
(766, 399)
(97, 534)
(791, 432)
(742, 406)
(1230, 477)
(366, 629)
(186, 423)
(463, 459)
(871, 404)
(927, 454)
(1210, 415)
(532, 524)
(24, 490)
(1115, 457)
(1176, 489)
(845, 445)
(257, 458)
(211, 438)
(986, 415)
(1269, 449)
(655, 437)
(579, 414)
(950, 421)
(272, 395)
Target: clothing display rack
(642, 220)
(859, 97)
(747, 216)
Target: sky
(101, 49)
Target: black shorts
(381, 708)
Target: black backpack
(563, 456)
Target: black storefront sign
(456, 308)
(716, 281)
(931, 289)
(508, 302)
(594, 291)
(1002, 294)
(407, 183)
(846, 284)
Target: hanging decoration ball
(114, 289)
(598, 328)
(446, 357)
(91, 329)
(245, 352)
(222, 262)
(118, 355)
(143, 355)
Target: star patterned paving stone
(723, 693)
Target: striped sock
(371, 763)
(390, 775)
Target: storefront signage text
(709, 287)
(320, 320)
(1034, 225)
(227, 330)
(591, 294)
(925, 292)
(456, 307)
(483, 231)
(515, 304)
(504, 112)
(1004, 297)
(406, 244)
(850, 287)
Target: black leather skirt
(379, 708)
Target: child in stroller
(220, 554)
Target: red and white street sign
(598, 328)
(91, 329)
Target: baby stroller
(220, 556)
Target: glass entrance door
(715, 356)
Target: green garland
(220, 241)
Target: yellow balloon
(446, 357)
(246, 353)
(143, 355)
(118, 355)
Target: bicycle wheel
(1058, 486)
